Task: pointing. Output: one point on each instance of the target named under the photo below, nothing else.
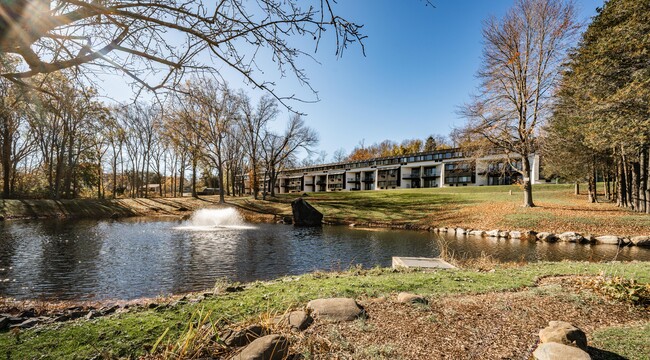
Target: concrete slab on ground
(421, 262)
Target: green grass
(630, 342)
(410, 205)
(129, 335)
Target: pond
(132, 258)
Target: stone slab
(420, 262)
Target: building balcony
(411, 176)
(430, 175)
(367, 180)
(354, 181)
(321, 182)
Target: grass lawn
(484, 207)
(133, 334)
(477, 207)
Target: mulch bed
(503, 325)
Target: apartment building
(440, 168)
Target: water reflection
(87, 259)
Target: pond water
(132, 258)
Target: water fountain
(215, 219)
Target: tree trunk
(181, 181)
(222, 198)
(6, 159)
(528, 188)
(194, 165)
(643, 201)
(636, 181)
(621, 192)
(606, 184)
(577, 188)
(264, 185)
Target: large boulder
(492, 233)
(564, 333)
(408, 298)
(640, 240)
(546, 236)
(609, 240)
(480, 233)
(294, 320)
(242, 337)
(556, 351)
(270, 347)
(304, 214)
(335, 309)
(570, 236)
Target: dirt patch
(488, 326)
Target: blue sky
(419, 67)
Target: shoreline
(181, 208)
(143, 324)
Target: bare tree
(339, 155)
(216, 107)
(252, 122)
(155, 42)
(280, 150)
(521, 56)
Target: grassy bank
(485, 207)
(134, 333)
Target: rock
(641, 240)
(4, 323)
(92, 315)
(182, 208)
(570, 236)
(287, 220)
(492, 233)
(295, 320)
(304, 214)
(609, 240)
(530, 235)
(564, 333)
(234, 288)
(444, 230)
(27, 313)
(242, 337)
(504, 234)
(588, 239)
(460, 231)
(335, 309)
(408, 298)
(515, 235)
(480, 233)
(270, 347)
(26, 324)
(555, 351)
(109, 310)
(547, 236)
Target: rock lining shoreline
(529, 235)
